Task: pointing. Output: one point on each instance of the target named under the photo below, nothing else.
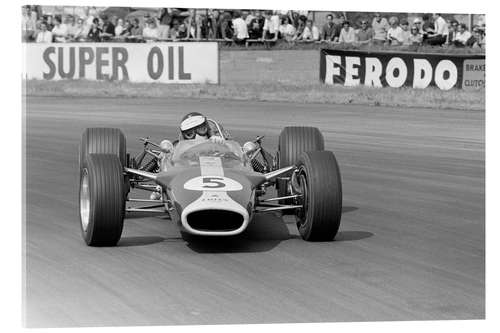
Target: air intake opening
(214, 220)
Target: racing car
(207, 188)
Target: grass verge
(278, 92)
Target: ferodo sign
(141, 62)
(390, 69)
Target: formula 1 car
(208, 189)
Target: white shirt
(310, 34)
(440, 26)
(396, 33)
(240, 28)
(406, 37)
(463, 37)
(61, 30)
(90, 20)
(348, 36)
(147, 32)
(315, 32)
(249, 19)
(287, 30)
(28, 23)
(118, 30)
(272, 25)
(44, 37)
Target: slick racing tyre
(102, 200)
(319, 183)
(103, 141)
(293, 141)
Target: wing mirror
(249, 148)
(166, 146)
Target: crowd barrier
(152, 62)
(393, 69)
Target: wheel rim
(84, 201)
(302, 212)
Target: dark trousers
(436, 40)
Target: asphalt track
(410, 247)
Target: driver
(194, 126)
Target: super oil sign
(148, 62)
(390, 69)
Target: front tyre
(102, 140)
(320, 184)
(292, 142)
(102, 199)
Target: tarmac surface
(410, 246)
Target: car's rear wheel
(103, 141)
(319, 182)
(293, 141)
(102, 199)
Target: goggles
(190, 134)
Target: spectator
(190, 24)
(347, 34)
(462, 36)
(174, 29)
(209, 26)
(95, 31)
(415, 36)
(240, 29)
(60, 30)
(151, 33)
(206, 26)
(300, 28)
(165, 20)
(310, 33)
(330, 30)
(380, 27)
(126, 28)
(405, 33)
(50, 22)
(108, 29)
(44, 35)
(255, 31)
(417, 22)
(80, 32)
(260, 18)
(427, 26)
(136, 29)
(248, 17)
(394, 33)
(271, 26)
(28, 24)
(452, 31)
(364, 34)
(182, 32)
(226, 27)
(119, 28)
(287, 30)
(477, 40)
(440, 33)
(71, 26)
(91, 15)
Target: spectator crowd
(244, 27)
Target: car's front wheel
(102, 199)
(320, 186)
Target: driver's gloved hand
(216, 139)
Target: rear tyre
(293, 141)
(102, 200)
(320, 184)
(103, 141)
